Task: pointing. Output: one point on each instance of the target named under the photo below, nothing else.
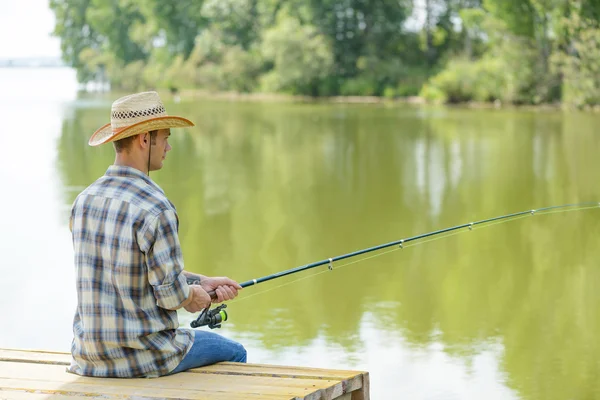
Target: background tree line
(511, 51)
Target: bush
(358, 86)
(389, 92)
(484, 80)
(132, 76)
(433, 94)
(457, 82)
(300, 55)
(512, 69)
(240, 69)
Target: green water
(502, 312)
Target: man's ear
(143, 139)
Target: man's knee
(240, 354)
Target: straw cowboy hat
(134, 114)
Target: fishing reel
(212, 318)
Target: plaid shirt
(129, 271)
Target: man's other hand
(200, 299)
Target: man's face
(160, 147)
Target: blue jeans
(210, 348)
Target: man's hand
(224, 288)
(199, 299)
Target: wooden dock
(36, 375)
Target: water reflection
(501, 312)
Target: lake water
(503, 312)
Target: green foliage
(176, 74)
(374, 76)
(299, 54)
(216, 65)
(76, 34)
(579, 62)
(236, 19)
(359, 27)
(389, 92)
(240, 69)
(433, 94)
(116, 35)
(516, 51)
(517, 15)
(173, 24)
(512, 68)
(411, 81)
(360, 86)
(464, 81)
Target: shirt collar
(130, 172)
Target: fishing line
(215, 317)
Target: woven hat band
(122, 118)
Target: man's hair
(124, 144)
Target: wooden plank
(350, 381)
(76, 389)
(42, 357)
(223, 367)
(277, 370)
(7, 394)
(195, 382)
(365, 391)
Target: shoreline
(267, 97)
(197, 94)
(192, 94)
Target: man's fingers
(226, 293)
(236, 285)
(229, 282)
(219, 294)
(231, 291)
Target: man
(128, 261)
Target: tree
(299, 54)
(75, 33)
(176, 23)
(237, 20)
(358, 28)
(578, 55)
(99, 26)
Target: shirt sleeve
(165, 262)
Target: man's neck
(124, 161)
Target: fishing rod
(213, 318)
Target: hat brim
(106, 135)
